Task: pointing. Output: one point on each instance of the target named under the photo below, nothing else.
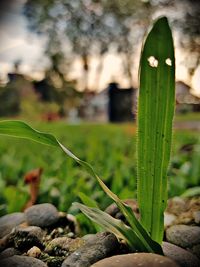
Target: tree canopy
(87, 27)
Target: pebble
(8, 253)
(21, 261)
(9, 221)
(96, 248)
(196, 216)
(24, 238)
(176, 205)
(195, 250)
(136, 260)
(114, 211)
(34, 252)
(4, 242)
(63, 246)
(181, 256)
(42, 215)
(183, 235)
(169, 219)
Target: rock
(114, 211)
(73, 223)
(24, 238)
(195, 250)
(66, 225)
(181, 256)
(196, 216)
(89, 237)
(42, 215)
(176, 205)
(96, 248)
(183, 235)
(52, 261)
(21, 261)
(4, 242)
(63, 246)
(9, 252)
(186, 210)
(136, 260)
(169, 219)
(34, 252)
(9, 221)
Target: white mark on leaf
(168, 61)
(153, 62)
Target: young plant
(155, 114)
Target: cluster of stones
(42, 236)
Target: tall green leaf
(155, 115)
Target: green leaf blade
(22, 130)
(155, 116)
(112, 225)
(149, 244)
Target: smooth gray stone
(183, 235)
(183, 257)
(9, 252)
(195, 250)
(42, 215)
(21, 261)
(100, 246)
(9, 221)
(136, 260)
(4, 242)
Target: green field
(109, 148)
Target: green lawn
(190, 116)
(109, 148)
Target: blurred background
(70, 67)
(69, 59)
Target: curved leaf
(142, 240)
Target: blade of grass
(155, 115)
(88, 201)
(113, 225)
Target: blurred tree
(9, 101)
(86, 27)
(190, 29)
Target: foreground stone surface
(183, 235)
(42, 215)
(9, 252)
(9, 221)
(181, 256)
(100, 246)
(56, 242)
(136, 260)
(21, 261)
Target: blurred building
(94, 106)
(113, 104)
(121, 103)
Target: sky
(18, 43)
